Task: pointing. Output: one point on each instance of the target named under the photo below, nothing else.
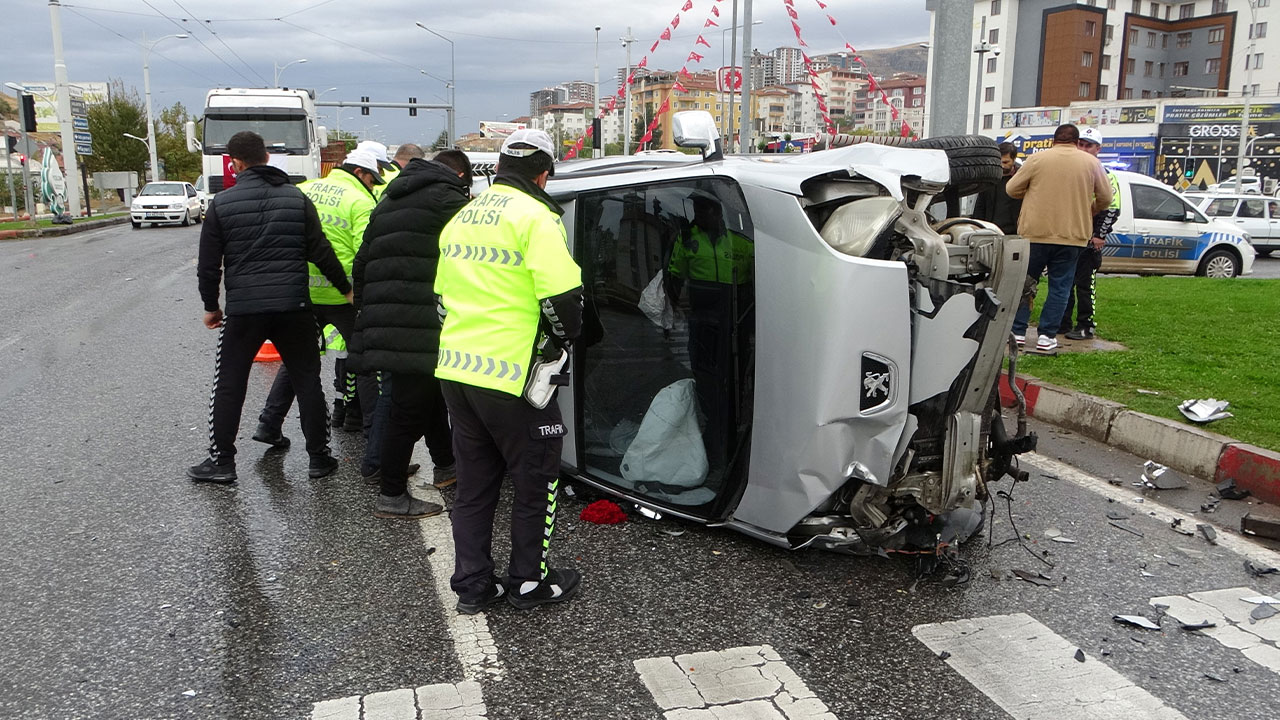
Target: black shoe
(471, 606)
(375, 477)
(339, 413)
(212, 472)
(271, 437)
(405, 507)
(1081, 333)
(322, 465)
(354, 421)
(559, 585)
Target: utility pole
(626, 95)
(595, 105)
(733, 53)
(71, 169)
(1247, 96)
(744, 117)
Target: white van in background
(1160, 233)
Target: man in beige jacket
(1060, 188)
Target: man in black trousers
(262, 231)
(398, 329)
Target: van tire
(974, 160)
(1219, 262)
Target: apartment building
(1051, 52)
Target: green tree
(641, 124)
(171, 144)
(613, 148)
(442, 141)
(123, 112)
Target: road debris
(1035, 578)
(1063, 539)
(603, 512)
(1136, 621)
(1267, 527)
(1208, 532)
(1261, 600)
(1259, 570)
(944, 655)
(1179, 528)
(1203, 411)
(1215, 678)
(1202, 625)
(1156, 477)
(1079, 655)
(1210, 505)
(1117, 515)
(1148, 392)
(1227, 490)
(1262, 612)
(1126, 529)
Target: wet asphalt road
(126, 586)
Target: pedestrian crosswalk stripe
(1235, 628)
(461, 702)
(742, 682)
(1033, 673)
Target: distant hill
(884, 62)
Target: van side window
(1273, 207)
(1222, 207)
(1252, 209)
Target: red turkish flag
(695, 57)
(654, 46)
(571, 154)
(822, 4)
(688, 5)
(676, 86)
(906, 129)
(675, 22)
(590, 129)
(710, 22)
(850, 48)
(795, 26)
(684, 72)
(715, 10)
(644, 61)
(666, 34)
(646, 138)
(666, 105)
(792, 12)
(228, 172)
(701, 41)
(833, 20)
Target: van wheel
(974, 160)
(1220, 263)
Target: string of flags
(695, 57)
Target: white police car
(1160, 233)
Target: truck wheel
(974, 160)
(1219, 263)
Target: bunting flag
(833, 20)
(715, 10)
(808, 65)
(684, 73)
(710, 23)
(677, 87)
(654, 46)
(687, 6)
(590, 129)
(792, 12)
(665, 106)
(701, 41)
(675, 22)
(872, 85)
(695, 57)
(666, 34)
(906, 129)
(796, 27)
(644, 62)
(821, 4)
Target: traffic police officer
(344, 199)
(1084, 289)
(507, 285)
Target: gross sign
(729, 78)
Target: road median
(60, 230)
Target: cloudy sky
(504, 49)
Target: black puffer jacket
(263, 230)
(395, 270)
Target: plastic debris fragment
(1261, 600)
(1215, 678)
(1227, 490)
(1208, 532)
(1117, 515)
(1079, 655)
(1202, 625)
(1179, 528)
(1262, 612)
(1259, 570)
(1136, 621)
(1148, 392)
(1126, 529)
(1063, 539)
(1203, 411)
(1034, 578)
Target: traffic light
(22, 161)
(11, 144)
(1189, 173)
(29, 113)
(413, 111)
(364, 109)
(596, 142)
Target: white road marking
(429, 702)
(472, 641)
(1255, 639)
(1031, 672)
(744, 683)
(1227, 538)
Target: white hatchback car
(166, 202)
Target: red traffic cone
(267, 353)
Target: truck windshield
(282, 133)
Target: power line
(305, 9)
(135, 42)
(180, 26)
(209, 27)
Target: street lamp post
(595, 105)
(981, 49)
(453, 91)
(1247, 95)
(626, 95)
(146, 84)
(280, 68)
(733, 52)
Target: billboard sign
(1031, 118)
(1258, 112)
(491, 129)
(46, 94)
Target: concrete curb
(1185, 448)
(60, 230)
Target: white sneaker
(1020, 340)
(1046, 342)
